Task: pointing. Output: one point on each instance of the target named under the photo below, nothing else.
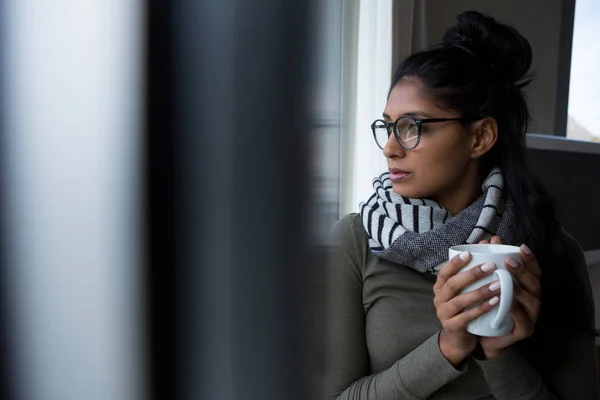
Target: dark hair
(480, 70)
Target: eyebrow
(411, 114)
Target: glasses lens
(408, 132)
(381, 133)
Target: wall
(540, 21)
(556, 161)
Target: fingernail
(494, 300)
(488, 266)
(464, 255)
(512, 262)
(526, 249)
(494, 286)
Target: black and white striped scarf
(418, 232)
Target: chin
(405, 190)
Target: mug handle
(506, 297)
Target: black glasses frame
(418, 121)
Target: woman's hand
(526, 308)
(455, 342)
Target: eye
(411, 132)
(408, 131)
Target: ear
(484, 136)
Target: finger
(460, 321)
(524, 276)
(457, 304)
(496, 240)
(530, 261)
(484, 242)
(499, 342)
(529, 303)
(524, 326)
(515, 304)
(458, 282)
(451, 268)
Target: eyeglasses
(407, 130)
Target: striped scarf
(418, 232)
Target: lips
(397, 174)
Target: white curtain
(361, 159)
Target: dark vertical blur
(227, 183)
(160, 228)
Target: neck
(464, 193)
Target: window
(583, 119)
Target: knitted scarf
(418, 232)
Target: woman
(453, 134)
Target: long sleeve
(512, 377)
(572, 377)
(347, 358)
(566, 367)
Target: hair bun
(497, 44)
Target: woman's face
(441, 167)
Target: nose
(393, 149)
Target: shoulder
(571, 244)
(574, 254)
(349, 236)
(348, 226)
(348, 232)
(573, 276)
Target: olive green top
(382, 337)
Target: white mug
(497, 322)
